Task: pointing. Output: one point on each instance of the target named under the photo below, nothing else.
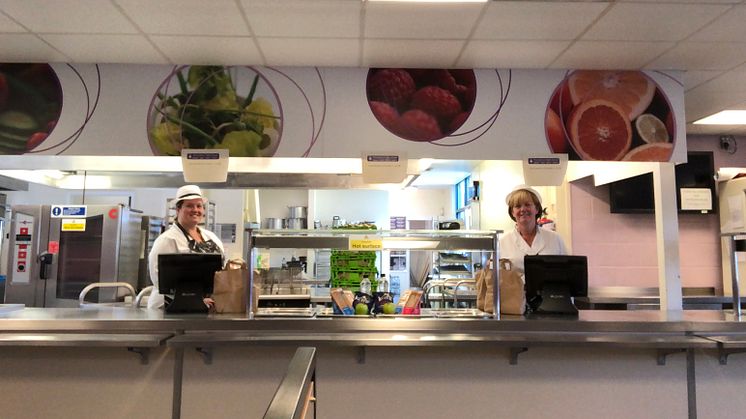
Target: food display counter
(440, 363)
(479, 245)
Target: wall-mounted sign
(384, 167)
(205, 165)
(366, 242)
(547, 170)
(73, 224)
(699, 199)
(69, 211)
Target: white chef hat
(189, 192)
(523, 188)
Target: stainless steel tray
(458, 312)
(285, 312)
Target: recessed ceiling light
(727, 117)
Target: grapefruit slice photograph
(599, 130)
(650, 152)
(632, 90)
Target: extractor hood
(123, 172)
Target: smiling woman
(527, 238)
(184, 236)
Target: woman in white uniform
(527, 238)
(184, 236)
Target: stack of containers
(348, 268)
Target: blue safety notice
(69, 211)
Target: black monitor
(552, 281)
(189, 277)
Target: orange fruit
(599, 130)
(650, 152)
(631, 90)
(555, 132)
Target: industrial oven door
(78, 242)
(29, 230)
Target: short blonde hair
(520, 197)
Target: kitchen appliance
(449, 225)
(55, 251)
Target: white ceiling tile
(728, 27)
(8, 25)
(209, 50)
(703, 101)
(311, 51)
(301, 18)
(652, 22)
(536, 20)
(186, 17)
(692, 129)
(68, 16)
(420, 20)
(410, 53)
(702, 56)
(610, 54)
(730, 81)
(98, 48)
(27, 48)
(693, 78)
(510, 54)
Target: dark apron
(205, 246)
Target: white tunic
(546, 242)
(172, 240)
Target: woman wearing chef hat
(527, 238)
(184, 236)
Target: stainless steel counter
(131, 320)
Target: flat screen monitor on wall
(694, 181)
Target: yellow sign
(73, 224)
(366, 243)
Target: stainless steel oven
(52, 255)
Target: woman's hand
(209, 302)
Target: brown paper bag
(229, 289)
(481, 288)
(512, 294)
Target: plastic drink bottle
(365, 285)
(383, 284)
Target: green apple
(361, 309)
(389, 308)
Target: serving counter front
(129, 362)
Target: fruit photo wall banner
(255, 111)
